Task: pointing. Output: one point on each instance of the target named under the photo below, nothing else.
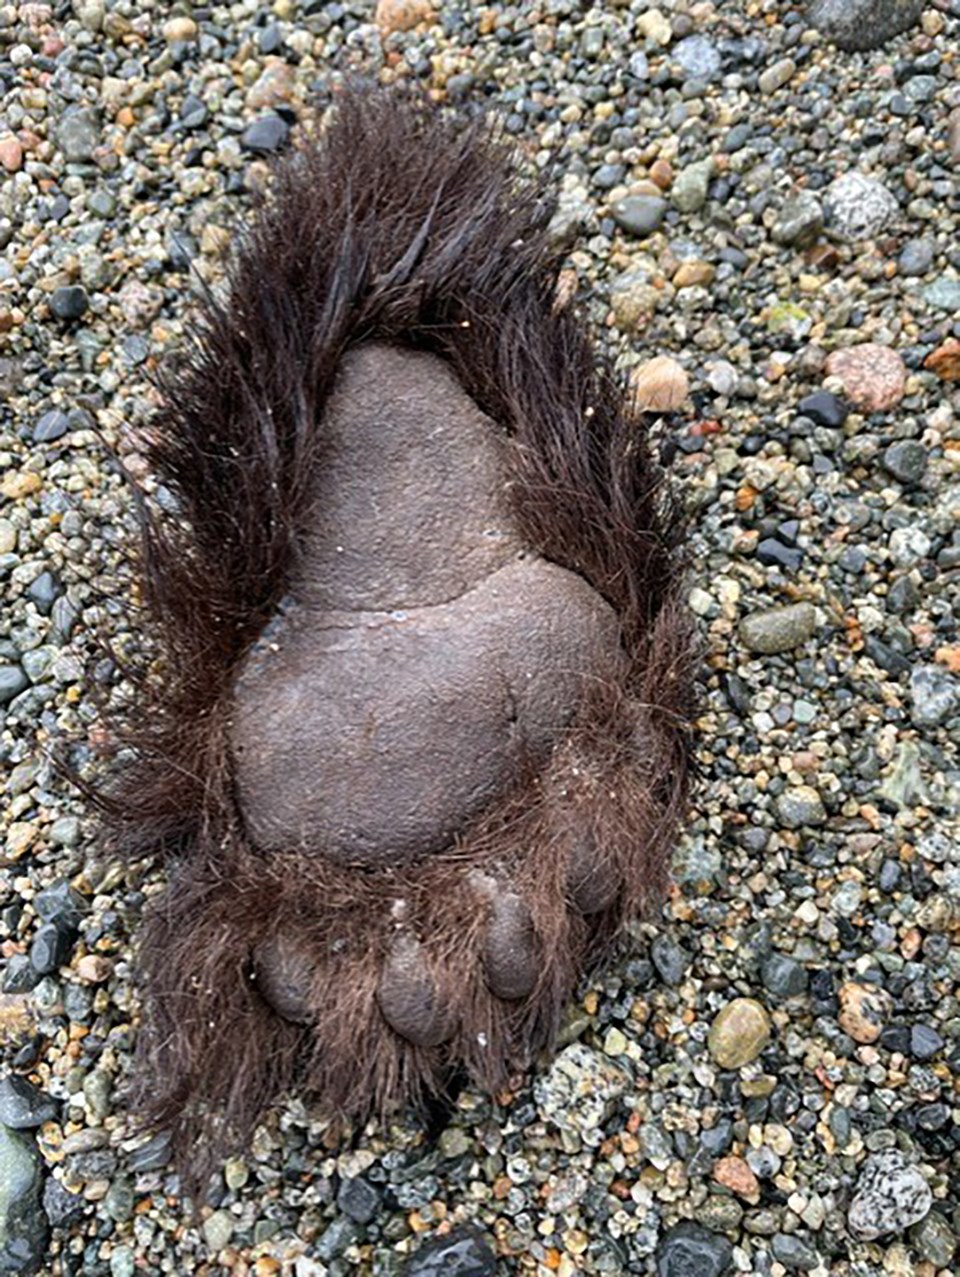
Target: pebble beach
(762, 205)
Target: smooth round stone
(859, 207)
(776, 76)
(890, 1196)
(51, 426)
(916, 257)
(698, 56)
(68, 302)
(873, 376)
(265, 135)
(689, 1250)
(640, 215)
(906, 460)
(13, 681)
(779, 629)
(800, 806)
(739, 1033)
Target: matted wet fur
(400, 224)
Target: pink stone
(11, 153)
(873, 376)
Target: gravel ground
(767, 1082)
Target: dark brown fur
(395, 224)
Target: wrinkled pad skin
(424, 660)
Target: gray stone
(465, 1252)
(943, 293)
(784, 976)
(52, 425)
(51, 948)
(859, 207)
(793, 1252)
(890, 1196)
(343, 1232)
(23, 1225)
(13, 681)
(934, 695)
(669, 959)
(579, 1088)
(916, 256)
(800, 806)
(906, 460)
(23, 1106)
(688, 1250)
(358, 1199)
(640, 215)
(799, 221)
(779, 629)
(690, 186)
(78, 133)
(934, 1240)
(699, 57)
(863, 24)
(265, 135)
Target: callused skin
(423, 659)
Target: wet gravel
(766, 1081)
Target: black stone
(358, 1199)
(265, 135)
(23, 1106)
(69, 302)
(689, 1250)
(463, 1253)
(51, 948)
(825, 409)
(52, 425)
